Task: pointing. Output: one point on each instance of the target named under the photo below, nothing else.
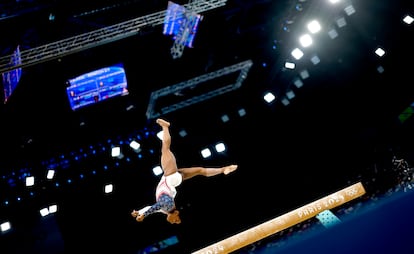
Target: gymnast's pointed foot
(228, 169)
(163, 123)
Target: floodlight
(314, 26)
(5, 226)
(333, 33)
(50, 174)
(242, 112)
(379, 51)
(289, 65)
(116, 152)
(220, 147)
(135, 146)
(52, 208)
(44, 212)
(30, 181)
(297, 53)
(304, 74)
(408, 19)
(109, 188)
(315, 59)
(285, 101)
(183, 133)
(269, 97)
(341, 22)
(349, 10)
(157, 170)
(298, 82)
(225, 118)
(305, 40)
(290, 94)
(205, 153)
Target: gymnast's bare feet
(229, 169)
(163, 123)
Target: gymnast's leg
(168, 161)
(169, 164)
(188, 173)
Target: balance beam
(284, 221)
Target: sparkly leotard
(164, 197)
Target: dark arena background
(307, 97)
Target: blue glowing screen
(96, 86)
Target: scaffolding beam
(98, 37)
(210, 89)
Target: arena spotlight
(44, 212)
(183, 133)
(53, 208)
(408, 19)
(285, 101)
(290, 94)
(116, 152)
(5, 226)
(225, 118)
(30, 181)
(135, 146)
(157, 170)
(297, 53)
(269, 97)
(50, 174)
(290, 65)
(206, 152)
(242, 112)
(305, 40)
(314, 26)
(379, 51)
(334, 1)
(108, 188)
(220, 147)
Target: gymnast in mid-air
(173, 177)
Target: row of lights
(305, 41)
(207, 152)
(116, 152)
(6, 226)
(136, 147)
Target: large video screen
(96, 86)
(180, 22)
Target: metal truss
(98, 37)
(178, 46)
(179, 43)
(153, 111)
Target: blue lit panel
(96, 86)
(178, 22)
(327, 218)
(12, 78)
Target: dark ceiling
(342, 121)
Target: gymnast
(171, 178)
